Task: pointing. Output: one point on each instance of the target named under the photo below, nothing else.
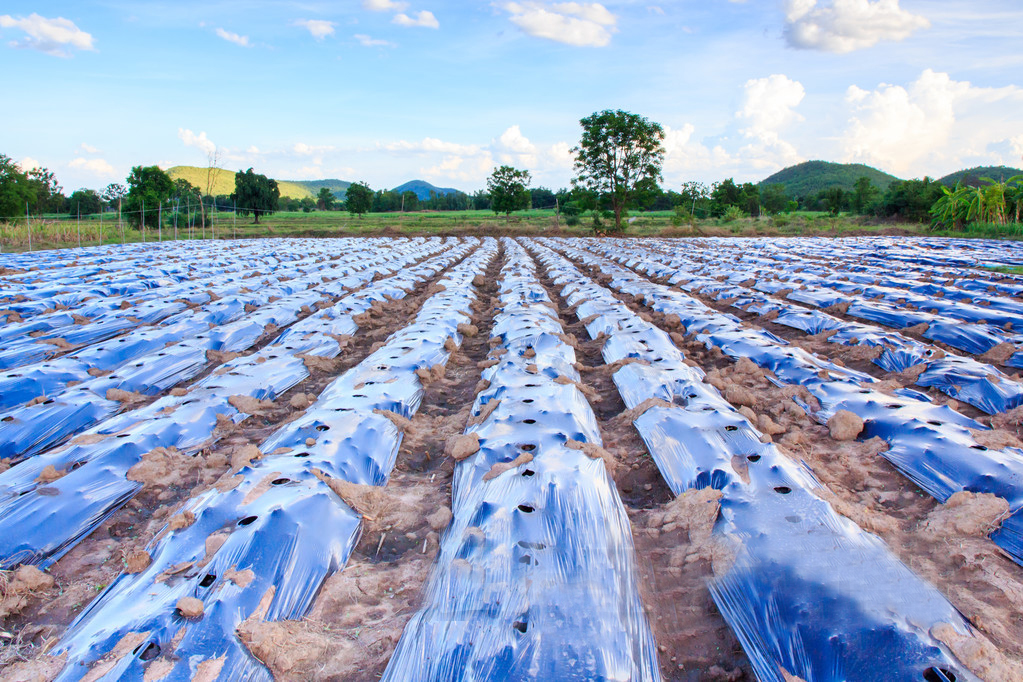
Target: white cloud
(769, 107)
(515, 149)
(384, 5)
(28, 163)
(318, 28)
(847, 25)
(935, 124)
(199, 141)
(367, 41)
(97, 167)
(769, 104)
(233, 37)
(424, 19)
(431, 144)
(573, 23)
(303, 149)
(52, 36)
(89, 148)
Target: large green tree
(618, 151)
(509, 190)
(84, 202)
(255, 194)
(115, 193)
(358, 198)
(325, 199)
(16, 191)
(148, 188)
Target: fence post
(159, 222)
(78, 225)
(142, 221)
(28, 226)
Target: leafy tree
(694, 199)
(774, 198)
(256, 194)
(358, 198)
(116, 192)
(541, 197)
(148, 188)
(325, 199)
(509, 190)
(481, 200)
(617, 151)
(307, 204)
(834, 199)
(911, 199)
(409, 201)
(865, 195)
(723, 194)
(49, 194)
(15, 189)
(84, 202)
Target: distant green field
(62, 231)
(225, 182)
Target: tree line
(618, 165)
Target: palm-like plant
(952, 207)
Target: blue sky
(388, 90)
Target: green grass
(1006, 269)
(62, 231)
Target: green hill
(225, 182)
(337, 187)
(422, 189)
(809, 178)
(972, 176)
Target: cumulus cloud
(424, 19)
(97, 167)
(53, 36)
(318, 28)
(935, 123)
(768, 107)
(89, 148)
(847, 25)
(28, 163)
(230, 37)
(384, 5)
(573, 23)
(367, 41)
(199, 141)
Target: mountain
(422, 189)
(972, 176)
(225, 182)
(809, 178)
(337, 187)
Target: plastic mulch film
(535, 578)
(263, 541)
(809, 593)
(25, 432)
(962, 378)
(931, 445)
(40, 520)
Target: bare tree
(213, 161)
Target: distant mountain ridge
(972, 176)
(298, 189)
(422, 189)
(811, 177)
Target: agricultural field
(541, 457)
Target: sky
(385, 91)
